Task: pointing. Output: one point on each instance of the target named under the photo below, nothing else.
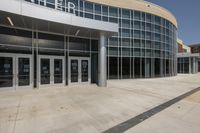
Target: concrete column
(147, 68)
(190, 66)
(193, 69)
(102, 65)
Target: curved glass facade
(144, 47)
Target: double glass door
(79, 70)
(51, 70)
(15, 71)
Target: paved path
(90, 109)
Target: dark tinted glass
(74, 71)
(6, 72)
(58, 71)
(84, 70)
(24, 71)
(113, 67)
(45, 71)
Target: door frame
(15, 58)
(79, 70)
(51, 59)
(30, 86)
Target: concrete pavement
(90, 109)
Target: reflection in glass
(74, 70)
(84, 70)
(58, 71)
(23, 71)
(6, 72)
(45, 71)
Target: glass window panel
(81, 5)
(157, 53)
(137, 67)
(113, 12)
(137, 52)
(143, 52)
(148, 53)
(148, 35)
(113, 51)
(143, 34)
(105, 19)
(88, 7)
(50, 3)
(113, 20)
(157, 37)
(113, 68)
(148, 17)
(126, 13)
(143, 25)
(157, 29)
(125, 52)
(126, 23)
(148, 44)
(137, 15)
(137, 43)
(157, 20)
(143, 16)
(125, 33)
(113, 41)
(125, 68)
(157, 45)
(143, 43)
(126, 42)
(105, 10)
(137, 25)
(97, 9)
(148, 26)
(97, 17)
(87, 15)
(136, 34)
(6, 72)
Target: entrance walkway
(91, 109)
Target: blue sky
(187, 13)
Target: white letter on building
(71, 6)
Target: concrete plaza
(90, 109)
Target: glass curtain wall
(24, 41)
(184, 65)
(147, 41)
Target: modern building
(182, 48)
(195, 48)
(65, 42)
(187, 61)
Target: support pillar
(193, 69)
(102, 72)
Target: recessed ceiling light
(77, 32)
(10, 21)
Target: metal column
(102, 73)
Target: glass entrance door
(58, 71)
(79, 70)
(6, 72)
(51, 71)
(74, 70)
(24, 71)
(84, 70)
(45, 71)
(15, 71)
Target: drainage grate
(122, 127)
